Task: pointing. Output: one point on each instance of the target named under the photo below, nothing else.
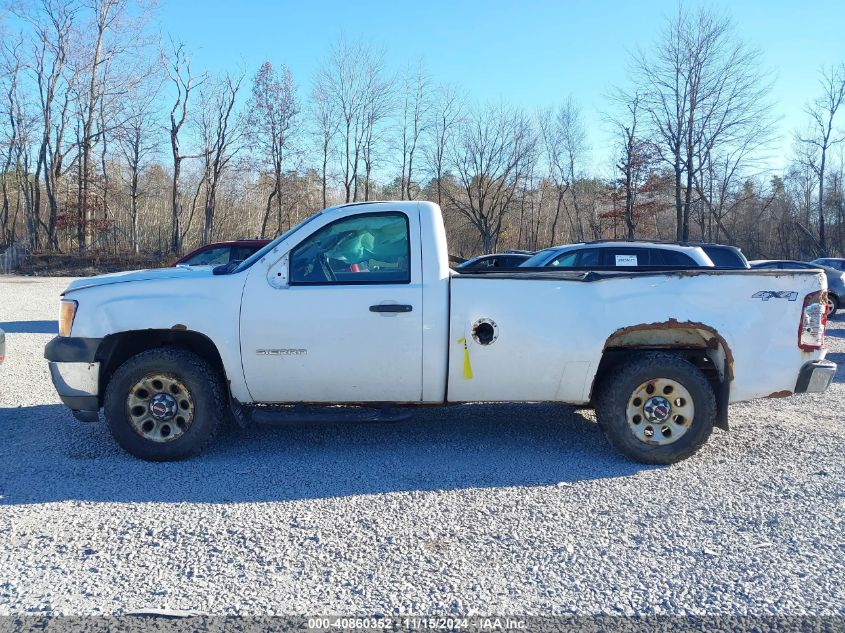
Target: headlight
(67, 311)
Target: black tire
(205, 387)
(618, 387)
(834, 304)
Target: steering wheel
(327, 270)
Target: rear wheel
(657, 408)
(165, 404)
(832, 304)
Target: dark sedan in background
(495, 260)
(831, 262)
(835, 278)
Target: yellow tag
(467, 366)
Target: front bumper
(815, 376)
(76, 374)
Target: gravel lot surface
(475, 509)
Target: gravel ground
(475, 509)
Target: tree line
(113, 140)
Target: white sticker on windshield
(626, 260)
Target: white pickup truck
(357, 306)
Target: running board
(316, 414)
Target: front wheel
(832, 304)
(164, 404)
(656, 408)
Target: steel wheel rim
(160, 407)
(830, 305)
(660, 411)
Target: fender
(683, 335)
(163, 308)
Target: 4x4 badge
(765, 295)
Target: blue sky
(530, 53)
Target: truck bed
(551, 336)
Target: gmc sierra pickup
(357, 306)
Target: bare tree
(107, 14)
(24, 125)
(636, 153)
(326, 117)
(138, 144)
(221, 132)
(564, 144)
(836, 198)
(12, 63)
(377, 106)
(721, 175)
(179, 70)
(340, 81)
(415, 107)
(490, 157)
(703, 87)
(823, 135)
(352, 80)
(271, 112)
(24, 133)
(446, 113)
(53, 23)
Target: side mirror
(279, 273)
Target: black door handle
(391, 307)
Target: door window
(567, 260)
(371, 248)
(589, 257)
(484, 262)
(510, 262)
(665, 257)
(582, 257)
(723, 257)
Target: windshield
(538, 260)
(269, 247)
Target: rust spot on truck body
(780, 394)
(179, 326)
(681, 340)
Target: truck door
(346, 325)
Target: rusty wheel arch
(692, 338)
(713, 342)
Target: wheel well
(118, 348)
(697, 343)
(612, 358)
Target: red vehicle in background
(221, 253)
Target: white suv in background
(612, 253)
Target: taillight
(813, 321)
